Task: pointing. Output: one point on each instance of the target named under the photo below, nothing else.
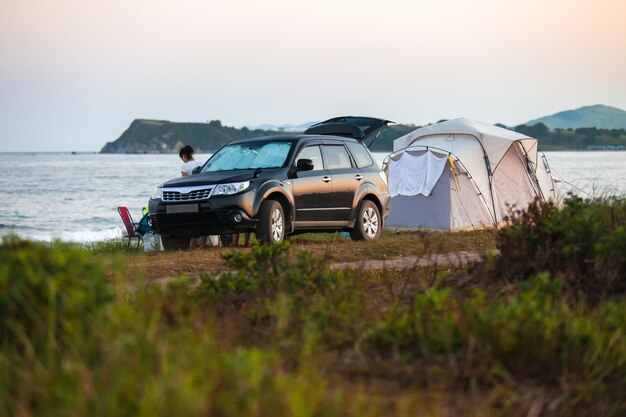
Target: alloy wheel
(277, 225)
(370, 222)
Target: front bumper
(213, 216)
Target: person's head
(186, 153)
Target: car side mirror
(196, 170)
(304, 165)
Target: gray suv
(323, 180)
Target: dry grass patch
(326, 248)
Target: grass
(325, 247)
(113, 246)
(281, 334)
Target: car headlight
(233, 188)
(157, 193)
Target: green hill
(599, 116)
(160, 136)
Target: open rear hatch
(349, 126)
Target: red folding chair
(131, 226)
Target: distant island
(560, 131)
(599, 116)
(162, 136)
(595, 127)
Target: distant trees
(579, 138)
(539, 130)
(159, 136)
(549, 139)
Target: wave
(13, 227)
(75, 236)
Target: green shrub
(48, 294)
(151, 352)
(583, 243)
(288, 297)
(163, 358)
(266, 271)
(533, 334)
(282, 335)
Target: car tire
(174, 242)
(367, 225)
(271, 228)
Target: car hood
(218, 177)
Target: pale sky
(75, 73)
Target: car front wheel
(367, 225)
(271, 227)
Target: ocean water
(48, 196)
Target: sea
(74, 197)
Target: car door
(312, 190)
(346, 179)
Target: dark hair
(186, 150)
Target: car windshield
(249, 156)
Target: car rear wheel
(367, 225)
(271, 227)
(174, 242)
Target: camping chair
(132, 228)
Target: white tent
(463, 174)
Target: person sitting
(189, 163)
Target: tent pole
(493, 200)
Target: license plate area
(181, 208)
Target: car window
(314, 154)
(249, 156)
(336, 157)
(360, 154)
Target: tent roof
(495, 140)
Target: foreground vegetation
(536, 330)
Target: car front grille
(194, 195)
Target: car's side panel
(331, 225)
(312, 190)
(346, 180)
(345, 186)
(312, 193)
(270, 187)
(372, 192)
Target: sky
(74, 74)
